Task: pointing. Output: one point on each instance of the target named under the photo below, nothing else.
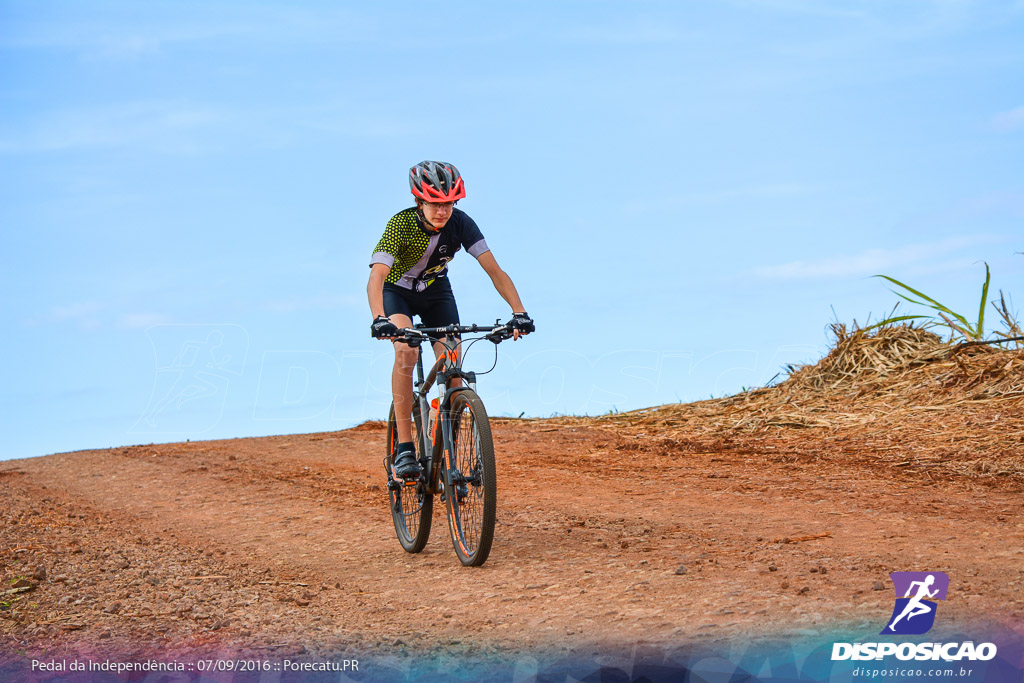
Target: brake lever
(411, 337)
(499, 335)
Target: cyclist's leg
(401, 380)
(399, 311)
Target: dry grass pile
(860, 356)
(895, 393)
(908, 365)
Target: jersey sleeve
(386, 250)
(472, 239)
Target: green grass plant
(961, 328)
(958, 324)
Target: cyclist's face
(437, 213)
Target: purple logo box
(939, 582)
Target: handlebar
(414, 336)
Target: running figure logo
(916, 593)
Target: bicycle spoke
(411, 506)
(471, 504)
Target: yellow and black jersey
(417, 256)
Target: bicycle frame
(447, 366)
(460, 467)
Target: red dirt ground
(285, 545)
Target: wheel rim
(466, 499)
(406, 503)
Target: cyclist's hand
(382, 328)
(521, 323)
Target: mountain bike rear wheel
(471, 486)
(412, 507)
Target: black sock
(407, 446)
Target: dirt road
(285, 545)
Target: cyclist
(409, 276)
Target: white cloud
(339, 119)
(875, 261)
(108, 40)
(767, 191)
(189, 128)
(635, 33)
(95, 35)
(806, 8)
(135, 321)
(83, 314)
(1007, 121)
(91, 315)
(167, 125)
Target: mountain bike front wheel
(471, 486)
(412, 507)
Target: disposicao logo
(914, 614)
(916, 593)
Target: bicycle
(453, 438)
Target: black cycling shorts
(435, 305)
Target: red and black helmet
(436, 181)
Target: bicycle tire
(470, 462)
(412, 507)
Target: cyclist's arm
(375, 288)
(502, 282)
(382, 261)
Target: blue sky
(685, 194)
